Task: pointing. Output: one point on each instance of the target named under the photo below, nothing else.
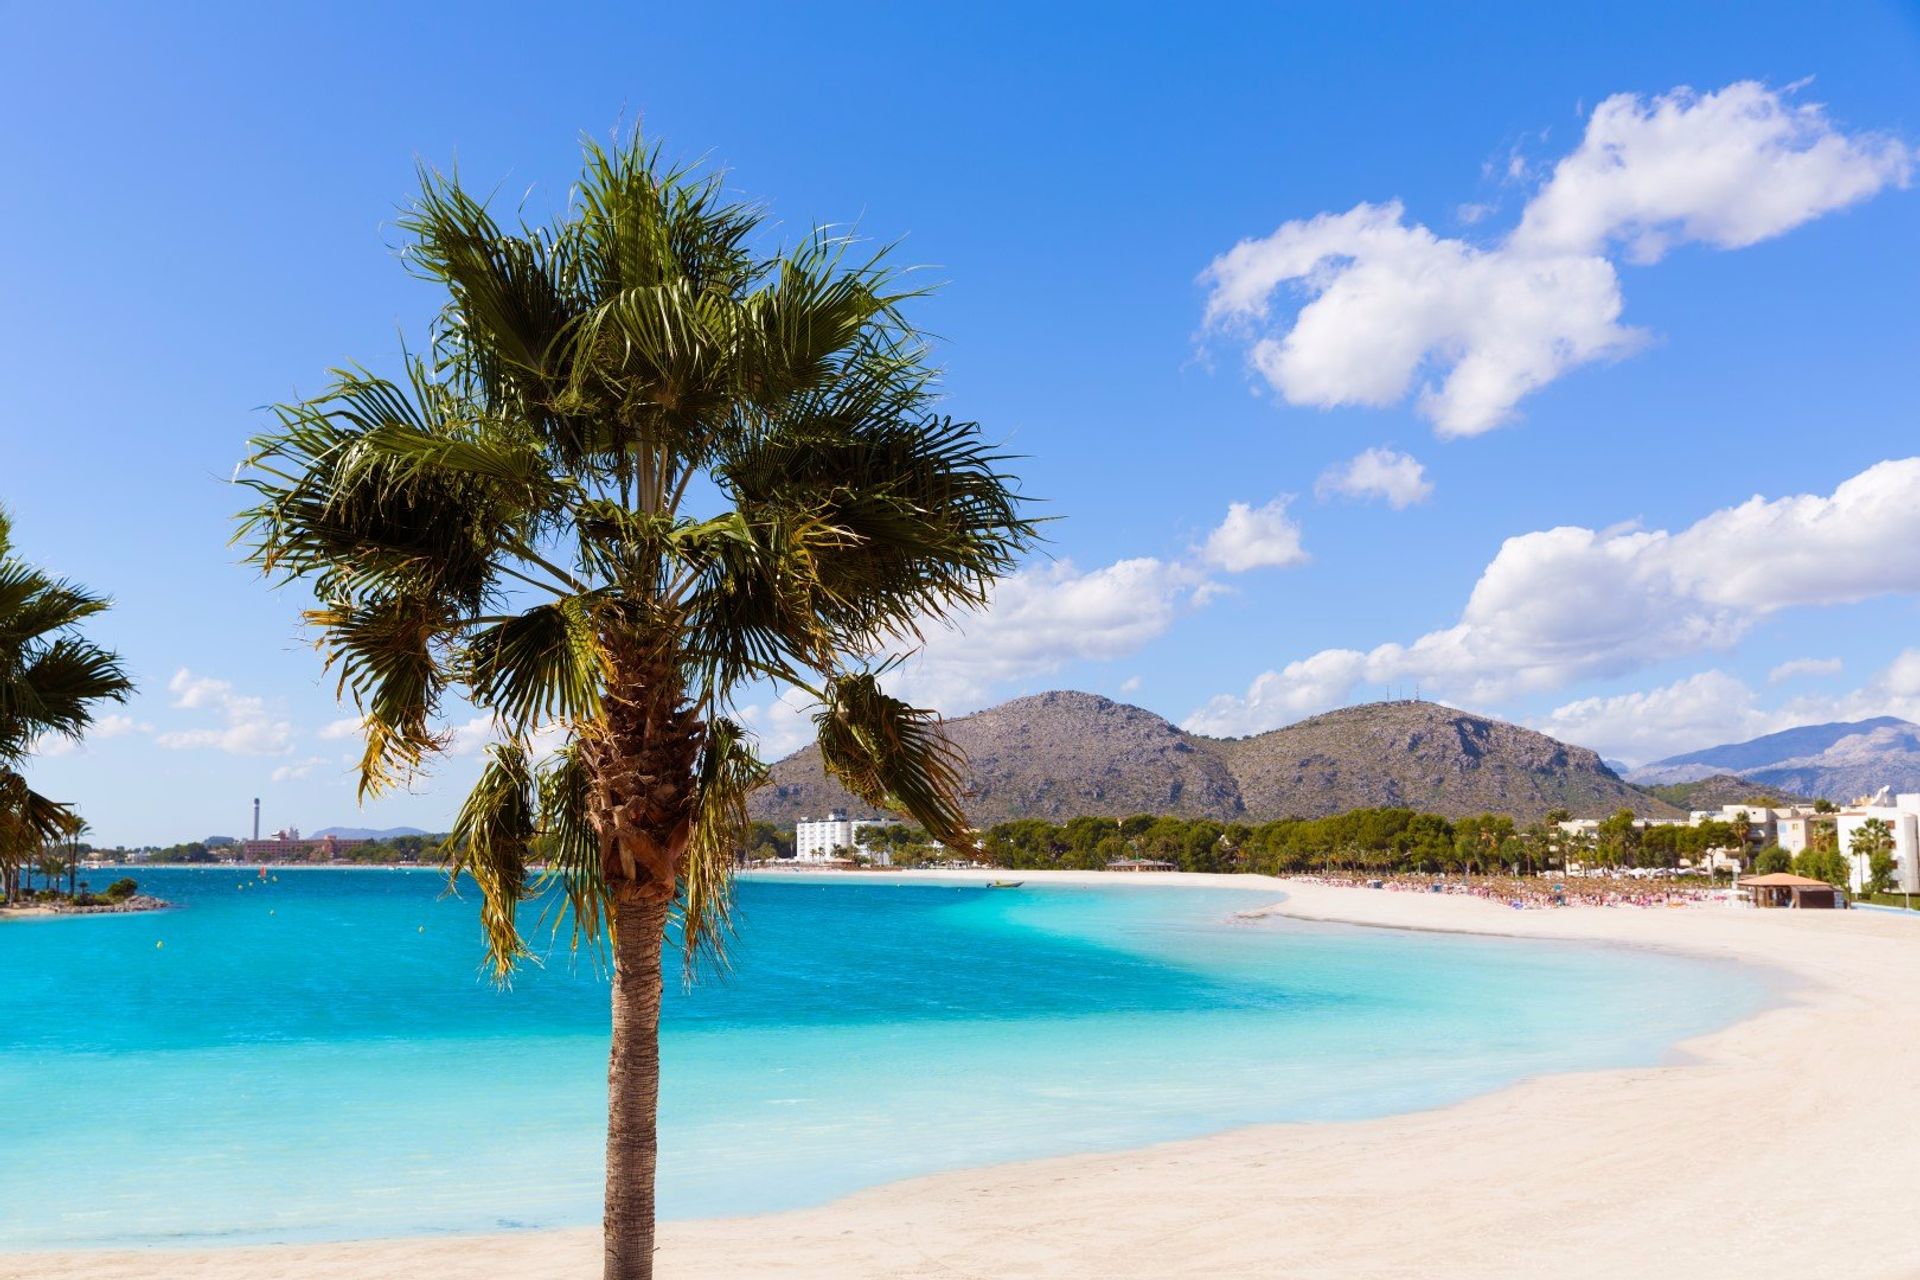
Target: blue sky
(1713, 306)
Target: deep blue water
(319, 1055)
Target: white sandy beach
(1782, 1146)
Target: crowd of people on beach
(1539, 892)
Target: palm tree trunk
(641, 761)
(633, 1084)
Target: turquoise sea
(318, 1055)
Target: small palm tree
(644, 469)
(51, 681)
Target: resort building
(1795, 831)
(1765, 826)
(1591, 826)
(836, 836)
(287, 846)
(1902, 817)
(1140, 864)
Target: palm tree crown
(642, 468)
(51, 681)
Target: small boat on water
(1005, 884)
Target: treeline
(1384, 840)
(397, 849)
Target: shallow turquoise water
(319, 1056)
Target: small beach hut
(1139, 864)
(1784, 890)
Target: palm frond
(28, 819)
(349, 501)
(729, 773)
(386, 653)
(541, 665)
(569, 847)
(57, 689)
(490, 841)
(894, 756)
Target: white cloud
(1390, 301)
(114, 725)
(301, 769)
(1567, 604)
(1300, 689)
(1378, 473)
(1728, 169)
(1713, 707)
(104, 728)
(1250, 537)
(1389, 304)
(249, 729)
(335, 730)
(472, 737)
(1043, 618)
(1802, 667)
(783, 725)
(1130, 685)
(1698, 711)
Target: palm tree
(1870, 847)
(74, 827)
(1742, 835)
(51, 681)
(643, 470)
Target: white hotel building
(1903, 817)
(834, 836)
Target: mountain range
(366, 833)
(1067, 754)
(1840, 761)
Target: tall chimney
(256, 817)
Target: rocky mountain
(1421, 755)
(1064, 754)
(1053, 755)
(1723, 789)
(1839, 761)
(366, 833)
(1857, 765)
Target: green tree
(52, 681)
(1618, 839)
(645, 465)
(1742, 835)
(1818, 863)
(1479, 840)
(1871, 845)
(1772, 860)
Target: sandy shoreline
(1781, 1148)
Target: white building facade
(1903, 819)
(834, 836)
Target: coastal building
(1783, 890)
(1902, 817)
(287, 846)
(1794, 832)
(1140, 864)
(1591, 826)
(835, 836)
